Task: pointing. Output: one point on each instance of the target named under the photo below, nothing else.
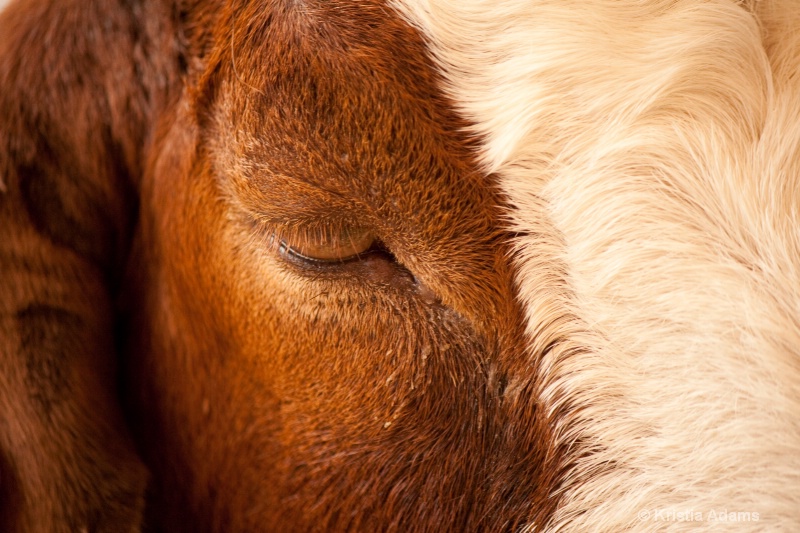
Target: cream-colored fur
(651, 154)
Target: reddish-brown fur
(149, 150)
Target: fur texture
(72, 113)
(579, 311)
(368, 395)
(388, 392)
(652, 152)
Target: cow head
(323, 281)
(398, 265)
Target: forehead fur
(344, 99)
(309, 83)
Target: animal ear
(81, 83)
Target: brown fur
(73, 113)
(168, 142)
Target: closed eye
(327, 244)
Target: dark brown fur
(148, 151)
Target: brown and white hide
(399, 265)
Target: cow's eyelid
(324, 244)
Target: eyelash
(287, 241)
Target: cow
(399, 265)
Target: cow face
(329, 337)
(399, 265)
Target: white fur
(651, 152)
